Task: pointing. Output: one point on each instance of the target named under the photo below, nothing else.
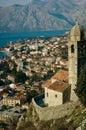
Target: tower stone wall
(76, 56)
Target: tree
(20, 77)
(4, 107)
(14, 70)
(31, 94)
(3, 75)
(81, 86)
(36, 77)
(1, 82)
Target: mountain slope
(42, 15)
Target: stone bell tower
(76, 56)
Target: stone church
(77, 55)
(60, 88)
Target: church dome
(77, 30)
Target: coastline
(3, 54)
(5, 38)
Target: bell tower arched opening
(72, 48)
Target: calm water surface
(5, 38)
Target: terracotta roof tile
(47, 83)
(61, 82)
(61, 75)
(59, 86)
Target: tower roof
(77, 30)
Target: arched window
(72, 48)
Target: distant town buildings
(39, 59)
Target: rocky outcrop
(51, 113)
(66, 117)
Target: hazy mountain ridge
(42, 15)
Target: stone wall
(49, 113)
(51, 99)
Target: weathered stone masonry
(49, 113)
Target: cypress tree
(81, 86)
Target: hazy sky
(11, 2)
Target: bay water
(5, 38)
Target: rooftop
(61, 75)
(59, 86)
(77, 29)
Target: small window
(72, 48)
(56, 95)
(47, 94)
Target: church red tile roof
(61, 75)
(61, 81)
(59, 86)
(47, 83)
